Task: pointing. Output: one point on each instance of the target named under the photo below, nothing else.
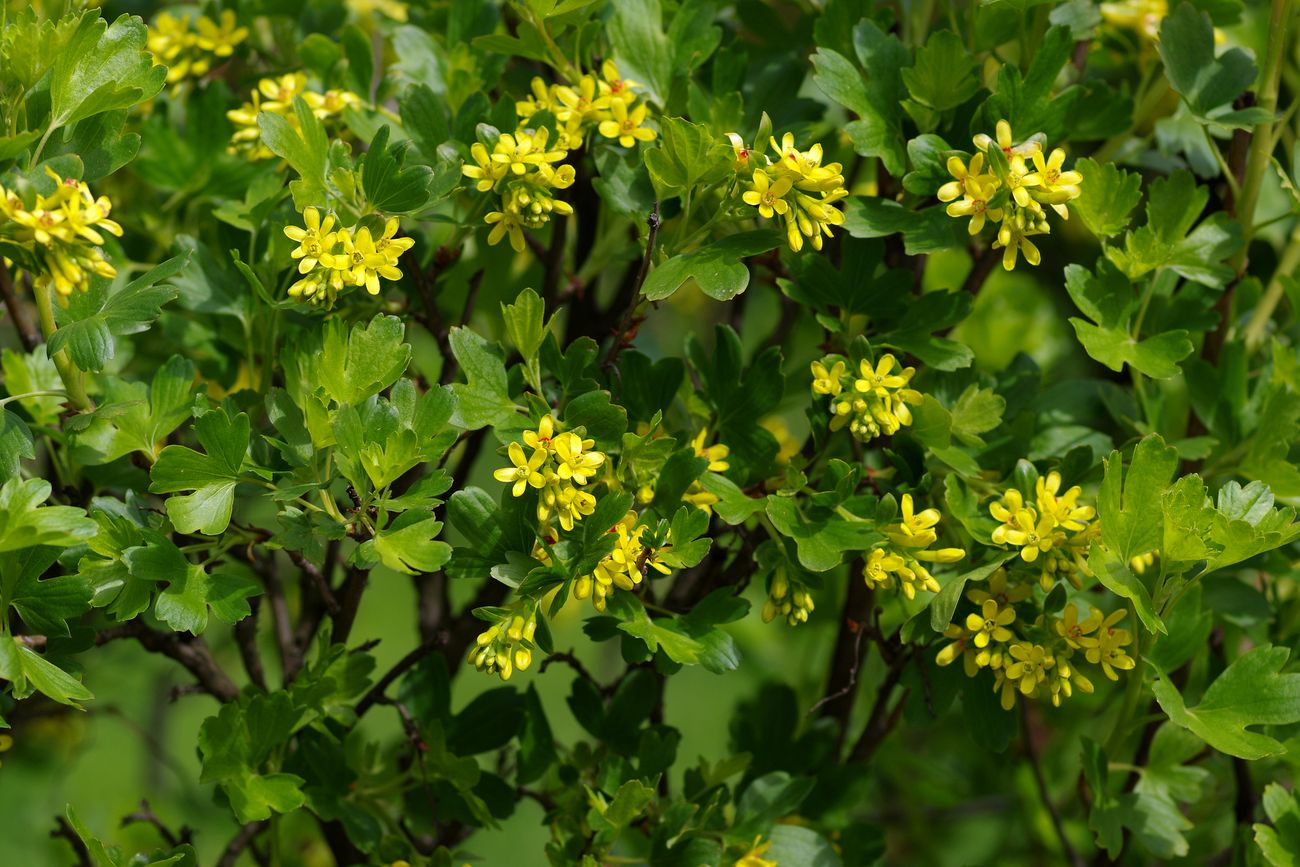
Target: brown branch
(629, 296)
(573, 662)
(28, 334)
(241, 841)
(148, 816)
(1066, 847)
(981, 269)
(837, 701)
(64, 830)
(312, 571)
(882, 719)
(246, 641)
(354, 587)
(190, 651)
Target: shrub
(648, 433)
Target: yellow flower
(975, 203)
(766, 196)
(790, 599)
(955, 189)
(366, 9)
(220, 37)
(280, 92)
(314, 241)
(1075, 631)
(740, 151)
(827, 381)
(916, 530)
(880, 566)
(614, 84)
(524, 149)
(505, 223)
(524, 471)
(960, 646)
(1030, 536)
(330, 103)
(1027, 669)
(716, 454)
(753, 858)
(487, 171)
(540, 100)
(1052, 185)
(541, 438)
(364, 263)
(626, 125)
(1013, 237)
(1106, 645)
(991, 623)
(584, 102)
(574, 459)
(1006, 142)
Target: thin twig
(1066, 846)
(28, 334)
(573, 662)
(147, 815)
(64, 830)
(192, 652)
(246, 641)
(240, 842)
(312, 571)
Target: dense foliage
(649, 432)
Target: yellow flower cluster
(506, 646)
(1143, 16)
(1054, 532)
(873, 403)
(1041, 662)
(62, 232)
(696, 495)
(900, 558)
(189, 52)
(787, 597)
(276, 95)
(558, 467)
(521, 166)
(1009, 183)
(330, 261)
(794, 187)
(624, 567)
(606, 102)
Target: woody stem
(72, 377)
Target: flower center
(628, 125)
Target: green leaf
(1280, 842)
(92, 320)
(943, 76)
(211, 477)
(717, 268)
(1187, 47)
(184, 604)
(641, 47)
(945, 602)
(875, 99)
(25, 523)
(1167, 240)
(976, 411)
(357, 364)
(136, 418)
(1250, 692)
(27, 670)
(484, 398)
(822, 542)
(688, 154)
(1242, 525)
(390, 186)
(33, 372)
(304, 146)
(1111, 195)
(526, 323)
(1129, 506)
(409, 545)
(46, 605)
(103, 67)
(1116, 576)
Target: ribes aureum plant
(582, 432)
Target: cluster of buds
(901, 559)
(276, 95)
(521, 167)
(61, 231)
(558, 465)
(1035, 659)
(794, 187)
(624, 567)
(1053, 533)
(190, 51)
(1009, 183)
(787, 597)
(330, 261)
(507, 645)
(872, 403)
